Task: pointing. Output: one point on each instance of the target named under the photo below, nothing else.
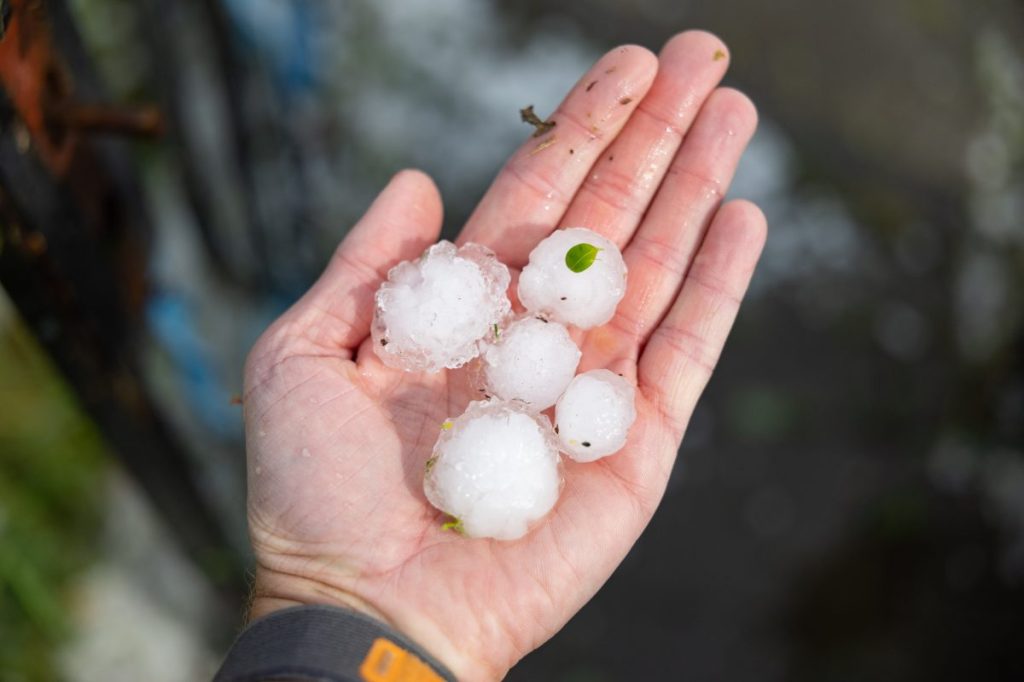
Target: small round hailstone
(495, 469)
(431, 312)
(575, 276)
(594, 414)
(532, 360)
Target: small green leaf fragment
(718, 56)
(497, 332)
(581, 257)
(430, 464)
(455, 524)
(447, 424)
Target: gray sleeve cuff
(328, 644)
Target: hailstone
(532, 360)
(594, 414)
(432, 312)
(575, 276)
(495, 469)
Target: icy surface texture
(585, 299)
(594, 414)
(431, 312)
(533, 360)
(495, 469)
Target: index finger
(533, 190)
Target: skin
(644, 149)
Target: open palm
(643, 151)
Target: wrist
(273, 591)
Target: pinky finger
(684, 349)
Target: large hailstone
(532, 360)
(566, 282)
(594, 414)
(432, 312)
(495, 469)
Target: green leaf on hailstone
(581, 257)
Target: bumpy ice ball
(594, 414)
(432, 312)
(567, 282)
(495, 469)
(532, 360)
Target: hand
(643, 151)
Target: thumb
(403, 220)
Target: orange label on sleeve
(388, 662)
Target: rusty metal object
(42, 91)
(75, 238)
(142, 121)
(33, 79)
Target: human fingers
(684, 348)
(533, 189)
(336, 312)
(616, 194)
(663, 247)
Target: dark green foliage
(51, 480)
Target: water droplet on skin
(261, 433)
(258, 470)
(649, 174)
(306, 452)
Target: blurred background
(849, 500)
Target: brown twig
(540, 127)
